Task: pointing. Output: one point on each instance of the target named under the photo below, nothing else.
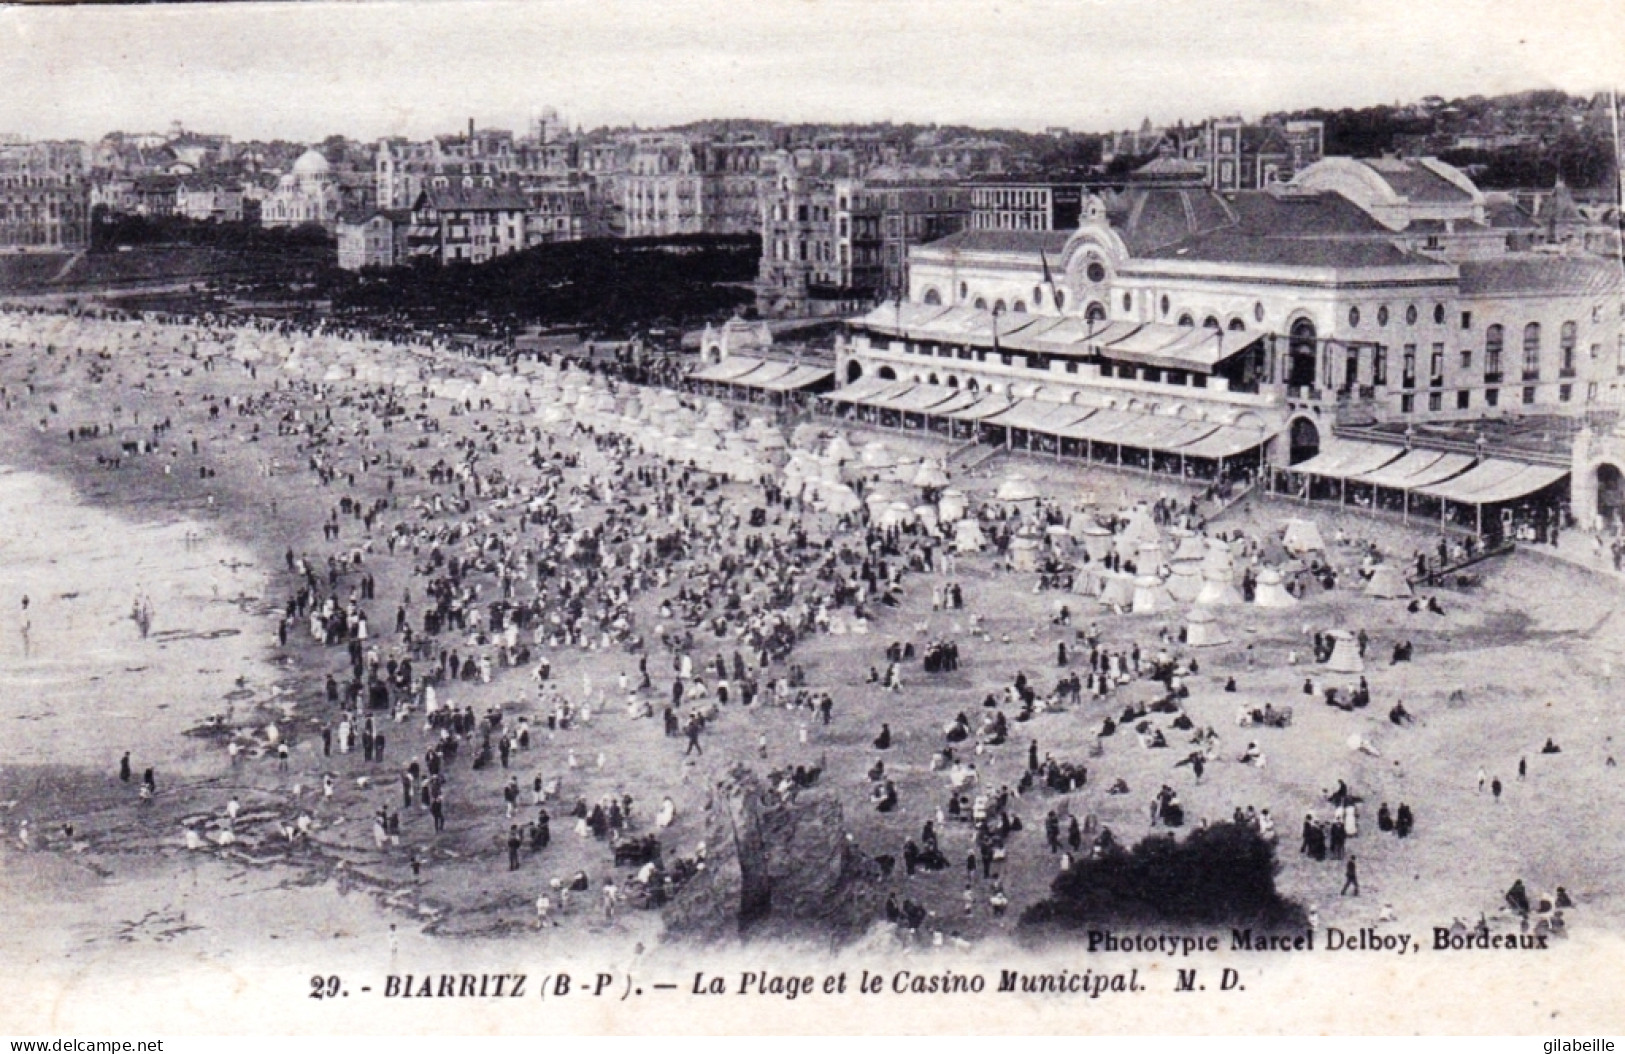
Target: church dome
(311, 163)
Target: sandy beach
(1531, 653)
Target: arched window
(1438, 314)
(887, 373)
(1354, 318)
(933, 298)
(1531, 351)
(1567, 340)
(1019, 307)
(972, 385)
(854, 371)
(1236, 325)
(1210, 323)
(1301, 354)
(1165, 306)
(981, 304)
(1128, 302)
(1038, 296)
(1494, 342)
(933, 379)
(963, 290)
(998, 307)
(1410, 315)
(1060, 300)
(953, 382)
(1382, 315)
(1186, 321)
(1095, 312)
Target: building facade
(371, 239)
(307, 195)
(1016, 206)
(1298, 307)
(674, 186)
(471, 225)
(800, 272)
(44, 199)
(878, 219)
(215, 203)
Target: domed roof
(311, 163)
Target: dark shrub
(1220, 875)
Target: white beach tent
(1204, 630)
(1387, 583)
(1217, 589)
(968, 537)
(1302, 536)
(1271, 591)
(1024, 553)
(1150, 598)
(1017, 488)
(1185, 581)
(1345, 656)
(1118, 590)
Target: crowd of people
(576, 583)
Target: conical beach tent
(968, 537)
(1185, 582)
(1118, 592)
(1271, 591)
(1204, 630)
(1150, 597)
(1345, 653)
(1302, 536)
(1387, 583)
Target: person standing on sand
(1351, 878)
(124, 768)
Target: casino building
(1185, 330)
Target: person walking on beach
(1351, 879)
(124, 768)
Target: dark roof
(1051, 242)
(1541, 273)
(472, 199)
(1148, 218)
(1507, 215)
(352, 217)
(1328, 214)
(1417, 182)
(1255, 227)
(1236, 247)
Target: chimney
(471, 129)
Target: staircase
(68, 265)
(972, 456)
(1441, 575)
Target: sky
(366, 69)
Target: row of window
(1492, 398)
(1011, 221)
(1412, 315)
(987, 198)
